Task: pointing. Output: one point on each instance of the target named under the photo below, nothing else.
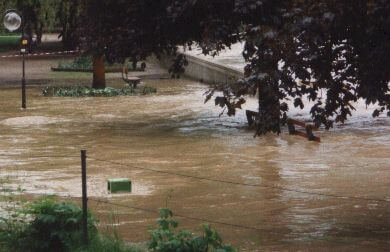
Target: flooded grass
(173, 131)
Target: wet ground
(284, 205)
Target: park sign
(12, 20)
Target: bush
(166, 239)
(84, 91)
(86, 63)
(82, 62)
(48, 225)
(52, 226)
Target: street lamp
(13, 21)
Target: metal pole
(23, 50)
(84, 191)
(23, 83)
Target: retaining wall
(203, 70)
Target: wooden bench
(251, 117)
(291, 123)
(309, 128)
(130, 80)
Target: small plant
(84, 91)
(106, 244)
(166, 239)
(12, 219)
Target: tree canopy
(293, 49)
(47, 15)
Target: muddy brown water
(175, 131)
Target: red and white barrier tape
(40, 54)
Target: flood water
(175, 131)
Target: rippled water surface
(175, 131)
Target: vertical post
(291, 127)
(84, 192)
(23, 83)
(23, 50)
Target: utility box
(119, 185)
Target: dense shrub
(78, 63)
(83, 91)
(48, 226)
(85, 63)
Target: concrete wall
(203, 70)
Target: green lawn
(9, 43)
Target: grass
(9, 43)
(85, 63)
(103, 243)
(70, 75)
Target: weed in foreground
(166, 239)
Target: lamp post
(13, 21)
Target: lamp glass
(12, 21)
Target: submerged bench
(130, 80)
(309, 128)
(291, 123)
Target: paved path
(38, 68)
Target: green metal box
(118, 185)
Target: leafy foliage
(53, 227)
(84, 91)
(47, 15)
(166, 239)
(294, 49)
(37, 14)
(48, 225)
(67, 17)
(85, 62)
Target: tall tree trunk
(269, 109)
(99, 76)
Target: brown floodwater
(175, 131)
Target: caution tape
(40, 54)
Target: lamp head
(12, 20)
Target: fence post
(84, 192)
(23, 84)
